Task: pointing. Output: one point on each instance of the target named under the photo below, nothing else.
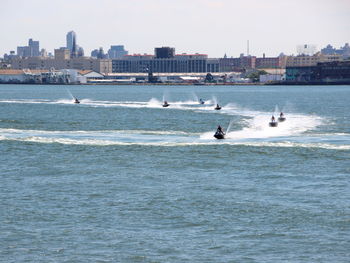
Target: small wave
(26, 101)
(97, 142)
(92, 132)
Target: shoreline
(187, 84)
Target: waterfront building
(337, 72)
(213, 65)
(64, 76)
(270, 78)
(179, 63)
(62, 62)
(241, 63)
(91, 75)
(165, 61)
(117, 51)
(305, 61)
(271, 62)
(300, 74)
(12, 76)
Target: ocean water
(119, 178)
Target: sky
(213, 27)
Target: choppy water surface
(119, 178)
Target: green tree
(255, 76)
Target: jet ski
(273, 123)
(201, 101)
(281, 117)
(217, 107)
(165, 104)
(219, 135)
(76, 101)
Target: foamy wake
(95, 142)
(299, 130)
(169, 139)
(152, 103)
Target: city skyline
(205, 26)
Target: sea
(119, 178)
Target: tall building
(101, 54)
(117, 52)
(43, 52)
(94, 53)
(32, 50)
(71, 39)
(80, 52)
(23, 51)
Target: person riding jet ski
(165, 104)
(273, 122)
(219, 134)
(76, 101)
(217, 107)
(201, 101)
(281, 118)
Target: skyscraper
(32, 50)
(72, 43)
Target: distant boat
(165, 104)
(76, 101)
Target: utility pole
(247, 47)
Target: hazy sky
(213, 27)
